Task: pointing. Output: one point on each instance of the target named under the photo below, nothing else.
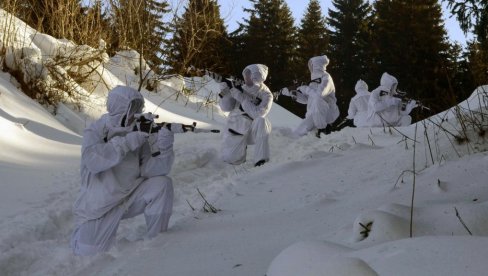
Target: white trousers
(153, 197)
(304, 127)
(235, 146)
(319, 114)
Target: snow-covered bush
(49, 70)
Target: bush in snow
(48, 70)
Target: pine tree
(200, 39)
(157, 43)
(313, 39)
(350, 45)
(473, 17)
(412, 45)
(138, 25)
(269, 38)
(477, 56)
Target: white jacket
(256, 101)
(383, 108)
(358, 107)
(319, 94)
(109, 170)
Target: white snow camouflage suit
(358, 107)
(386, 110)
(247, 123)
(319, 96)
(118, 182)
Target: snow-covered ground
(300, 214)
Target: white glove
(293, 93)
(136, 139)
(393, 101)
(165, 139)
(237, 94)
(177, 128)
(224, 86)
(410, 106)
(285, 91)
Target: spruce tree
(313, 39)
(269, 37)
(139, 25)
(477, 56)
(412, 45)
(157, 43)
(200, 39)
(350, 45)
(473, 17)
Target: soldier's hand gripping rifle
(289, 91)
(293, 90)
(231, 82)
(406, 100)
(145, 122)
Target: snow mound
(317, 258)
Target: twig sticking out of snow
(462, 222)
(207, 207)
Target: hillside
(300, 214)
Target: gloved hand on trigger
(410, 106)
(136, 139)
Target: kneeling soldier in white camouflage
(122, 175)
(386, 108)
(247, 123)
(319, 96)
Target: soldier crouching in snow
(385, 108)
(319, 96)
(123, 175)
(247, 123)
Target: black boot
(320, 130)
(259, 163)
(326, 130)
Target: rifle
(405, 100)
(145, 122)
(293, 89)
(345, 123)
(232, 82)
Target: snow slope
(299, 214)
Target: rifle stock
(146, 123)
